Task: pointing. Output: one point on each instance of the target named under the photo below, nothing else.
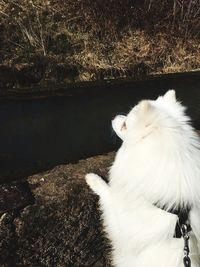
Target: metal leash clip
(184, 231)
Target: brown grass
(102, 37)
(160, 54)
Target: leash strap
(185, 230)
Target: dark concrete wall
(39, 131)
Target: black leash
(183, 227)
(185, 230)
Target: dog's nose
(113, 117)
(118, 114)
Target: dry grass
(160, 54)
(127, 36)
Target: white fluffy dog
(156, 171)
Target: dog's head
(150, 116)
(159, 156)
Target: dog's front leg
(98, 186)
(107, 204)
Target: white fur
(158, 162)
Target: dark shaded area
(26, 74)
(105, 18)
(14, 197)
(41, 130)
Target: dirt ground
(62, 225)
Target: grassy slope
(88, 40)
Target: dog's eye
(124, 126)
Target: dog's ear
(145, 113)
(144, 107)
(170, 96)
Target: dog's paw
(96, 183)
